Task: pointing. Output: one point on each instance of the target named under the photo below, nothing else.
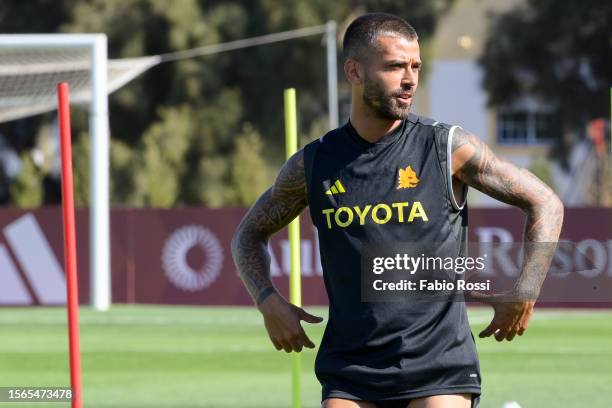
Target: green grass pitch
(150, 356)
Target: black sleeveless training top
(396, 190)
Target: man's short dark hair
(361, 34)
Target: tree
(161, 159)
(246, 167)
(80, 163)
(557, 51)
(122, 170)
(180, 130)
(26, 191)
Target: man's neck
(370, 126)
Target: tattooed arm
(276, 208)
(474, 164)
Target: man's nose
(410, 78)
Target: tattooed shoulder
(462, 138)
(291, 179)
(282, 202)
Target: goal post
(97, 95)
(31, 65)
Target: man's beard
(384, 105)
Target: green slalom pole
(295, 283)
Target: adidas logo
(336, 188)
(42, 280)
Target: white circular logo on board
(174, 258)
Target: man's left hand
(511, 315)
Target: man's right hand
(282, 320)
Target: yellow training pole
(295, 284)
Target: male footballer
(391, 176)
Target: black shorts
(329, 392)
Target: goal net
(31, 66)
(28, 77)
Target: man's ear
(354, 71)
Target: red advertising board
(182, 256)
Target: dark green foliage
(181, 130)
(558, 51)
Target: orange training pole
(70, 245)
